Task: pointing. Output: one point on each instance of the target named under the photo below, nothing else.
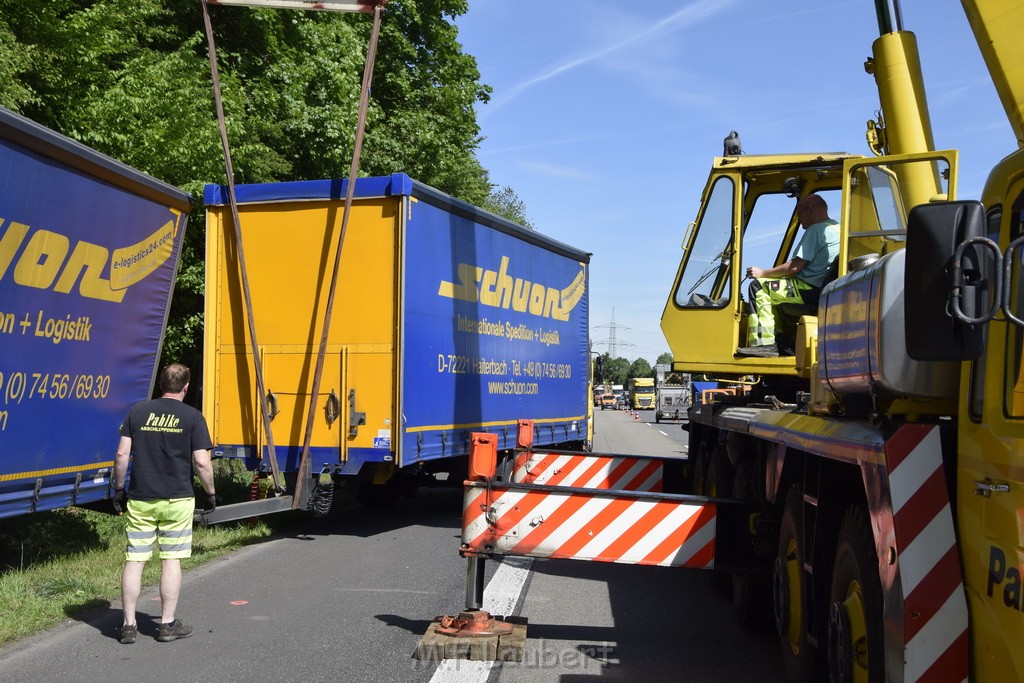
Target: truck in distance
(673, 393)
(640, 393)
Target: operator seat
(788, 315)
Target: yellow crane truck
(865, 492)
(884, 459)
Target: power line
(613, 338)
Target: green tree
(427, 90)
(639, 368)
(613, 370)
(507, 204)
(15, 62)
(123, 77)
(663, 359)
(131, 78)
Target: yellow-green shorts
(164, 522)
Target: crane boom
(996, 25)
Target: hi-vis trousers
(765, 294)
(165, 523)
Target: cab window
(833, 200)
(765, 232)
(705, 280)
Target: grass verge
(65, 563)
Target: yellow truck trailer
(448, 319)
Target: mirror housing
(934, 231)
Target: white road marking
(461, 671)
(502, 591)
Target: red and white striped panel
(934, 606)
(588, 471)
(607, 526)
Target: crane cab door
(879, 192)
(747, 218)
(705, 290)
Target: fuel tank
(861, 338)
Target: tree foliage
(131, 78)
(621, 370)
(639, 368)
(507, 204)
(613, 370)
(664, 359)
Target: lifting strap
(257, 361)
(377, 7)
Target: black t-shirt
(164, 432)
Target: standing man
(167, 438)
(789, 282)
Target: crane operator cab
(747, 217)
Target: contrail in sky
(690, 14)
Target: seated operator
(789, 282)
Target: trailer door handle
(355, 419)
(988, 487)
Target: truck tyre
(751, 591)
(719, 484)
(799, 657)
(720, 474)
(855, 638)
(373, 493)
(377, 496)
(699, 468)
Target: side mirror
(599, 369)
(934, 231)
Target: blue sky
(606, 116)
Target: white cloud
(693, 13)
(553, 171)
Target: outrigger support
(474, 621)
(550, 504)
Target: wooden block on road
(512, 646)
(508, 648)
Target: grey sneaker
(129, 634)
(173, 631)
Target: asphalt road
(348, 597)
(618, 431)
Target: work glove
(212, 500)
(118, 501)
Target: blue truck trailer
(448, 320)
(88, 256)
